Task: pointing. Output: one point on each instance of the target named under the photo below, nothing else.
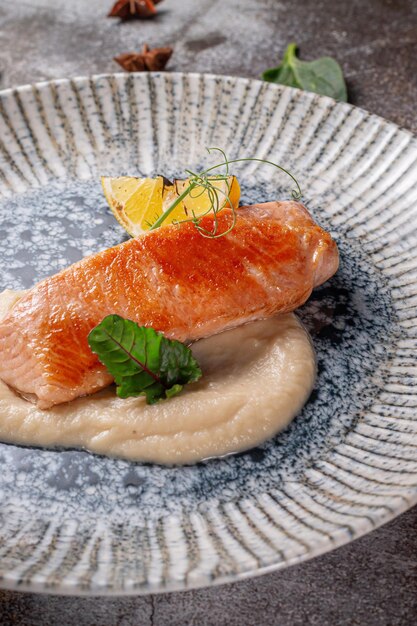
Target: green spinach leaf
(323, 76)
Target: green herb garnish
(206, 180)
(323, 76)
(141, 360)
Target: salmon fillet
(173, 279)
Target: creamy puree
(255, 380)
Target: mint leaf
(141, 360)
(323, 76)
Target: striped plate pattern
(72, 522)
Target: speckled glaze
(72, 522)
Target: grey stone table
(373, 581)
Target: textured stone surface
(372, 581)
(375, 41)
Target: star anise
(149, 60)
(129, 9)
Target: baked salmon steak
(173, 279)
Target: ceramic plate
(73, 522)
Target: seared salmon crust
(172, 279)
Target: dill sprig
(205, 181)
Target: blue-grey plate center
(349, 319)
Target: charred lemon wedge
(137, 203)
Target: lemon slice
(199, 201)
(137, 203)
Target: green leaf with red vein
(141, 360)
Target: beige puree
(255, 380)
